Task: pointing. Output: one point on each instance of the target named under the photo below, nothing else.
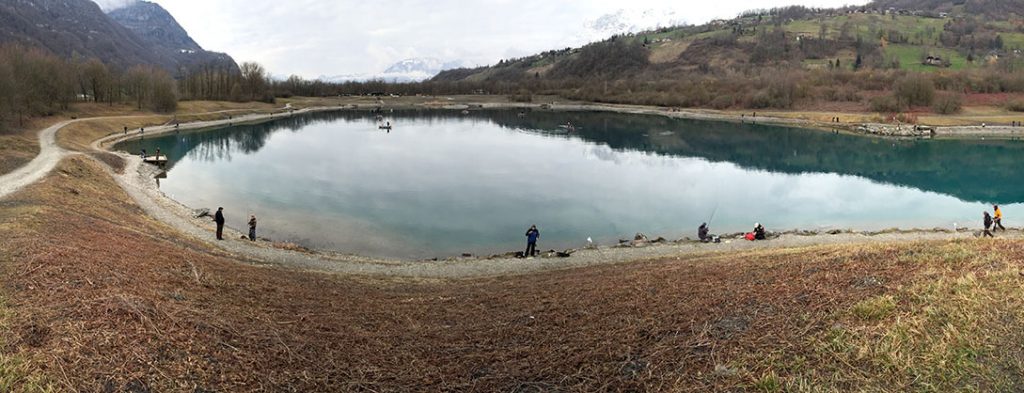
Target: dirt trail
(138, 181)
(49, 155)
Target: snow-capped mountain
(408, 70)
(630, 21)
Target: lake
(441, 183)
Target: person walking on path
(532, 235)
(252, 228)
(219, 219)
(987, 220)
(998, 219)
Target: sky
(313, 38)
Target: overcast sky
(337, 37)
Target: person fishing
(987, 220)
(532, 235)
(252, 228)
(702, 233)
(219, 219)
(997, 220)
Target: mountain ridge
(404, 71)
(145, 34)
(158, 28)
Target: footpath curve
(49, 155)
(139, 183)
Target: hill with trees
(888, 56)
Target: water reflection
(442, 183)
(981, 171)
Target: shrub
(722, 102)
(885, 104)
(1015, 106)
(523, 97)
(915, 90)
(948, 104)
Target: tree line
(34, 82)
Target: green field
(910, 57)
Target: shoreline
(138, 180)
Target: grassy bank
(102, 297)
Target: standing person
(126, 130)
(532, 235)
(219, 219)
(252, 228)
(987, 220)
(998, 219)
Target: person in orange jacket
(997, 218)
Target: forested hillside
(889, 56)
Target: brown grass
(103, 298)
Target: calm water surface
(441, 183)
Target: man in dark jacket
(702, 233)
(219, 219)
(532, 235)
(987, 220)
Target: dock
(158, 160)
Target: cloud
(320, 37)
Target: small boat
(158, 160)
(384, 127)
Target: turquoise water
(442, 183)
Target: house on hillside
(934, 61)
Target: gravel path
(138, 181)
(49, 155)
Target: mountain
(162, 33)
(73, 28)
(140, 33)
(408, 70)
(630, 21)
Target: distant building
(934, 61)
